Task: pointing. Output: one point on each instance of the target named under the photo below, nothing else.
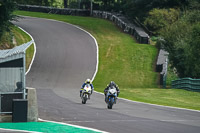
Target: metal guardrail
(120, 20)
(123, 23)
(53, 10)
(161, 66)
(186, 83)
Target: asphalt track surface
(65, 57)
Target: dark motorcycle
(111, 97)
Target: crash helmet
(88, 81)
(112, 83)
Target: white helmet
(88, 81)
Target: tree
(182, 41)
(140, 8)
(159, 18)
(65, 3)
(6, 9)
(192, 62)
(36, 2)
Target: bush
(182, 41)
(159, 18)
(6, 9)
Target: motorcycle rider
(112, 84)
(88, 81)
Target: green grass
(167, 97)
(121, 59)
(170, 76)
(129, 64)
(20, 37)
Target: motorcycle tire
(109, 106)
(83, 101)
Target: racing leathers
(112, 84)
(92, 87)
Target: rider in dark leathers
(112, 84)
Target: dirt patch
(14, 41)
(109, 49)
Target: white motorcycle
(111, 97)
(86, 93)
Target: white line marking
(26, 74)
(159, 105)
(97, 70)
(74, 126)
(34, 50)
(148, 120)
(152, 104)
(97, 47)
(92, 78)
(95, 75)
(14, 130)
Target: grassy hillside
(129, 64)
(14, 38)
(121, 59)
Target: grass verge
(127, 63)
(17, 37)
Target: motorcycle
(86, 93)
(111, 97)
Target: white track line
(94, 77)
(97, 70)
(96, 130)
(152, 104)
(14, 130)
(159, 105)
(26, 74)
(34, 50)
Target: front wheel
(110, 102)
(109, 106)
(84, 98)
(83, 101)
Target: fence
(120, 20)
(161, 66)
(53, 10)
(187, 83)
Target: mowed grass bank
(121, 59)
(129, 64)
(16, 38)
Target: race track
(65, 57)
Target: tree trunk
(65, 3)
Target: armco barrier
(161, 66)
(53, 10)
(120, 20)
(187, 83)
(123, 23)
